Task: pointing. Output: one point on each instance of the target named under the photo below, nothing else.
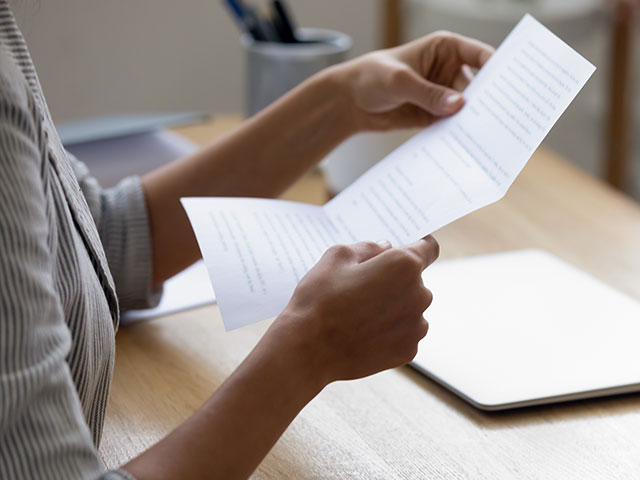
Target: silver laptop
(524, 328)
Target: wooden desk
(398, 424)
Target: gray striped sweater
(71, 255)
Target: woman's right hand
(357, 312)
(360, 309)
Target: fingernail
(451, 99)
(384, 243)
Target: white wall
(111, 56)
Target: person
(72, 255)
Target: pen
(247, 18)
(236, 9)
(254, 24)
(282, 22)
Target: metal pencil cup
(275, 68)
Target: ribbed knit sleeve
(121, 216)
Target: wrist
(338, 81)
(296, 347)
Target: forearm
(260, 159)
(233, 431)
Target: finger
(470, 51)
(426, 249)
(405, 116)
(436, 99)
(463, 78)
(367, 250)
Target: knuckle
(439, 36)
(393, 255)
(370, 245)
(398, 77)
(414, 264)
(340, 252)
(376, 56)
(423, 328)
(407, 261)
(420, 301)
(444, 34)
(400, 74)
(427, 298)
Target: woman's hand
(414, 84)
(359, 310)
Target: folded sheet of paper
(256, 251)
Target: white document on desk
(188, 289)
(257, 250)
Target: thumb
(426, 249)
(436, 99)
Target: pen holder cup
(275, 68)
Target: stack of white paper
(256, 250)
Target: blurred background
(96, 58)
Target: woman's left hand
(414, 84)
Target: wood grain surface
(398, 424)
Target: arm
(404, 87)
(369, 318)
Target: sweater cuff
(133, 272)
